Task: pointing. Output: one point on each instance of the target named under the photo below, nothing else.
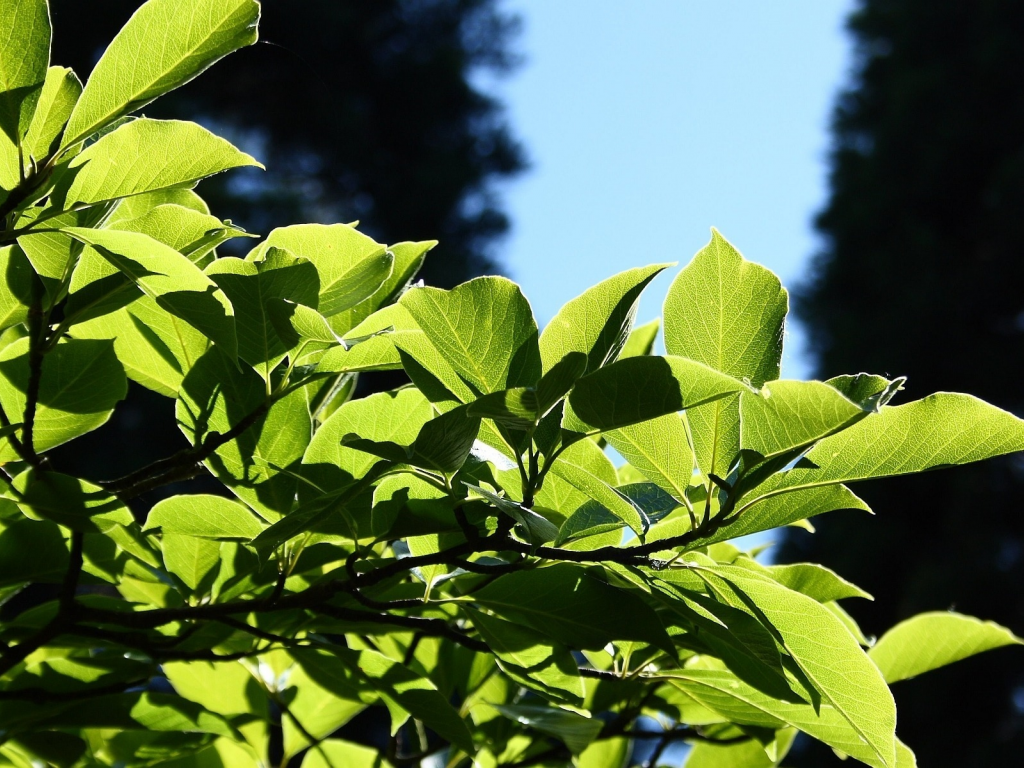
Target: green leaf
(347, 261)
(641, 340)
(321, 693)
(530, 658)
(521, 407)
(253, 289)
(813, 580)
(748, 649)
(357, 284)
(176, 284)
(59, 95)
(31, 551)
(179, 38)
(869, 391)
(773, 511)
(597, 322)
(156, 348)
(409, 257)
(443, 443)
(54, 254)
(226, 688)
(747, 754)
(484, 328)
(429, 369)
(146, 155)
(203, 516)
(567, 604)
(192, 233)
(727, 313)
(406, 505)
(932, 640)
(592, 518)
(400, 687)
(69, 501)
(720, 691)
(334, 753)
(81, 382)
(539, 528)
(784, 415)
(290, 318)
(216, 396)
(375, 353)
(24, 57)
(15, 286)
(140, 205)
(190, 558)
(576, 731)
(607, 753)
(395, 417)
(940, 430)
(660, 449)
(144, 711)
(572, 467)
(637, 389)
(826, 653)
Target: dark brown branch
(15, 654)
(65, 618)
(431, 627)
(182, 465)
(44, 696)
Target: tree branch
(182, 465)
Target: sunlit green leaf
(24, 57)
(932, 640)
(216, 396)
(15, 286)
(163, 274)
(641, 388)
(146, 155)
(827, 654)
(940, 430)
(190, 558)
(784, 415)
(204, 516)
(73, 503)
(81, 382)
(60, 93)
(164, 45)
(727, 313)
(575, 730)
(484, 328)
(597, 322)
(253, 290)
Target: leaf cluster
(461, 553)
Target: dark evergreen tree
(922, 274)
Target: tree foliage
(459, 555)
(920, 275)
(361, 111)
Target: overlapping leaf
(164, 45)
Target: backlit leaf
(727, 313)
(165, 44)
(146, 155)
(932, 640)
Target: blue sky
(647, 123)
